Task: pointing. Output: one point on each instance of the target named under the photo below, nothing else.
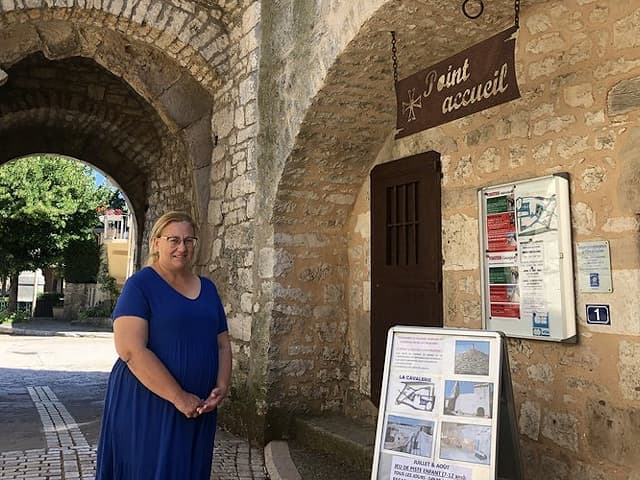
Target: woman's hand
(213, 400)
(188, 403)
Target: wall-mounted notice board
(526, 259)
(446, 407)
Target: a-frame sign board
(446, 407)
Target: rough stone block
(186, 101)
(579, 95)
(570, 146)
(59, 39)
(583, 218)
(561, 428)
(625, 31)
(537, 23)
(624, 97)
(629, 181)
(541, 373)
(546, 43)
(592, 178)
(629, 369)
(458, 232)
(240, 327)
(617, 428)
(251, 17)
(529, 420)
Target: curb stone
(9, 330)
(277, 460)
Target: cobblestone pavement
(28, 375)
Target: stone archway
(192, 67)
(112, 101)
(322, 272)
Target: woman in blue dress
(174, 366)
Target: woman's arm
(224, 374)
(130, 335)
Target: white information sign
(527, 266)
(439, 406)
(594, 267)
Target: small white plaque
(594, 267)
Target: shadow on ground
(82, 394)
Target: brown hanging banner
(475, 79)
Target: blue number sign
(598, 315)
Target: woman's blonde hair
(161, 223)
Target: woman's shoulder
(142, 277)
(207, 281)
(208, 284)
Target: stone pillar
(76, 298)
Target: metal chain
(517, 8)
(394, 56)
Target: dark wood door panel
(406, 251)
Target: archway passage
(74, 107)
(320, 212)
(147, 143)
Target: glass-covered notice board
(526, 259)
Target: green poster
(497, 205)
(503, 275)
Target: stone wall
(578, 67)
(314, 160)
(229, 227)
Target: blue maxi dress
(143, 436)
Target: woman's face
(175, 245)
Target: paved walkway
(68, 455)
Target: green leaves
(45, 202)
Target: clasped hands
(193, 406)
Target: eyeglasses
(189, 242)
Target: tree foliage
(82, 259)
(117, 201)
(45, 202)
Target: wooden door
(406, 251)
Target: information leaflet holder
(526, 259)
(446, 407)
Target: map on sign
(536, 215)
(418, 396)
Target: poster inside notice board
(446, 407)
(526, 256)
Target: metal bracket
(471, 15)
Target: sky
(100, 179)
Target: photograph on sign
(465, 442)
(468, 399)
(439, 405)
(526, 254)
(409, 435)
(472, 357)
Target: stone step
(346, 440)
